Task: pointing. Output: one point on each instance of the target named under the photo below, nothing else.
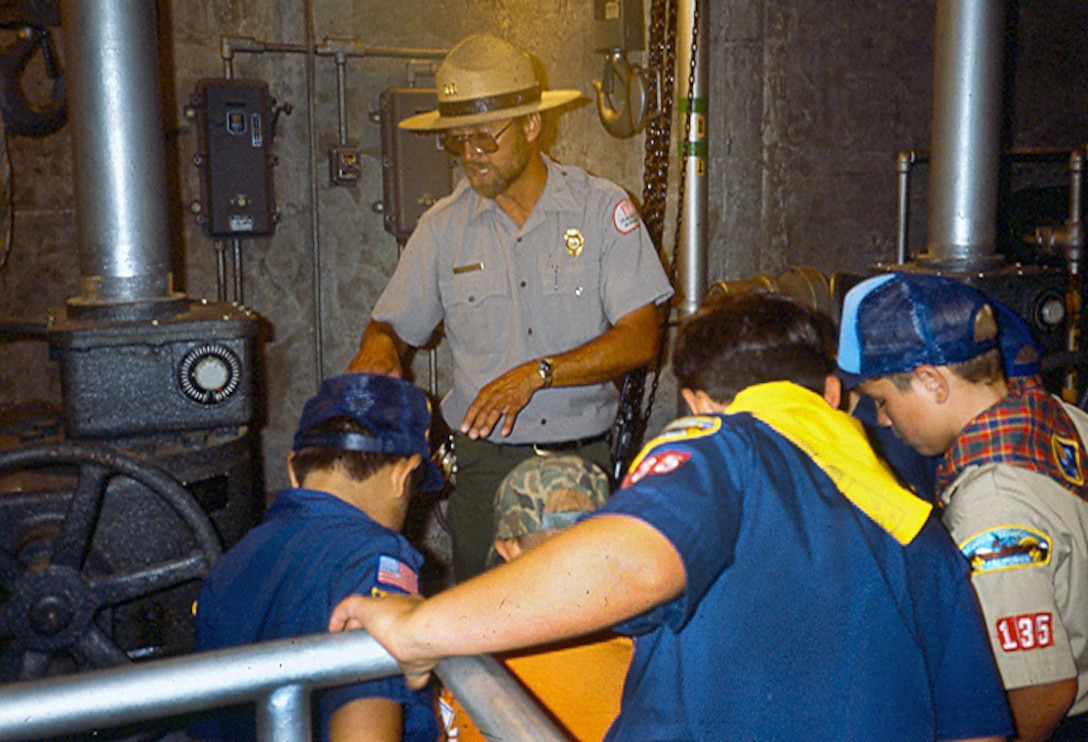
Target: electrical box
(618, 24)
(416, 171)
(345, 167)
(235, 128)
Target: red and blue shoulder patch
(656, 456)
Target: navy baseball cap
(896, 322)
(397, 413)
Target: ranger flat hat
(482, 79)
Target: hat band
(489, 103)
(354, 442)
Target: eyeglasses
(480, 141)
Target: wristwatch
(544, 368)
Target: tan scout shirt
(1027, 539)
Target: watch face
(544, 368)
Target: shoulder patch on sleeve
(1007, 547)
(395, 573)
(625, 217)
(658, 462)
(1067, 455)
(652, 461)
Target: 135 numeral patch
(1022, 633)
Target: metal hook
(20, 115)
(630, 117)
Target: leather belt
(555, 447)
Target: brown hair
(359, 465)
(740, 340)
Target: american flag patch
(397, 574)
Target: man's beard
(501, 177)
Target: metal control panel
(191, 371)
(235, 127)
(416, 171)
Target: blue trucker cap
(1020, 353)
(397, 413)
(896, 322)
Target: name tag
(468, 268)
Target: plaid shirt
(1027, 428)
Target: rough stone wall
(810, 100)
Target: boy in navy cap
(1011, 477)
(360, 450)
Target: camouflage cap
(546, 492)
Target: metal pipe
(349, 47)
(117, 151)
(341, 98)
(285, 715)
(904, 164)
(281, 673)
(481, 685)
(158, 689)
(315, 201)
(966, 144)
(691, 260)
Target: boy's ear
(833, 390)
(291, 470)
(933, 382)
(700, 403)
(400, 471)
(508, 548)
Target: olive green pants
(481, 466)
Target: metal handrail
(279, 676)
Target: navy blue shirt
(284, 579)
(801, 617)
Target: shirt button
(578, 291)
(523, 284)
(472, 298)
(530, 331)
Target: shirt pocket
(477, 301)
(572, 304)
(571, 279)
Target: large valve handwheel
(51, 598)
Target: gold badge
(575, 242)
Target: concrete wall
(810, 100)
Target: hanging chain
(662, 58)
(633, 418)
(685, 149)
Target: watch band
(544, 367)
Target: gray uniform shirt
(581, 261)
(1026, 537)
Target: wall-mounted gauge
(209, 373)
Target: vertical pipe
(966, 145)
(691, 274)
(118, 155)
(903, 165)
(341, 98)
(284, 716)
(315, 206)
